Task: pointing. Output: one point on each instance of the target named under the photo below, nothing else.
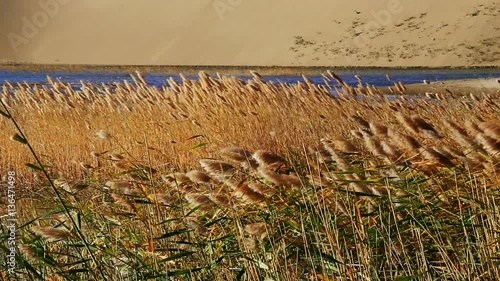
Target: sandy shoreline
(493, 83)
(458, 87)
(194, 69)
(489, 86)
(230, 70)
(465, 86)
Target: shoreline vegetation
(219, 178)
(226, 69)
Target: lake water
(376, 77)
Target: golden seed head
(118, 185)
(259, 229)
(175, 179)
(27, 251)
(116, 157)
(163, 198)
(103, 135)
(18, 138)
(86, 166)
(221, 200)
(51, 234)
(199, 200)
(95, 154)
(198, 176)
(217, 167)
(122, 201)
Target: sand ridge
(258, 32)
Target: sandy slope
(252, 32)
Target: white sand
(252, 32)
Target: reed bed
(224, 179)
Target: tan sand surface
(252, 32)
(493, 83)
(457, 87)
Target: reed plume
(200, 201)
(198, 176)
(244, 192)
(341, 144)
(216, 167)
(425, 127)
(259, 229)
(269, 160)
(408, 123)
(51, 234)
(378, 129)
(241, 155)
(491, 129)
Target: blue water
(376, 77)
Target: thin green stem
(51, 183)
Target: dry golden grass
(219, 178)
(161, 126)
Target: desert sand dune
(252, 32)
